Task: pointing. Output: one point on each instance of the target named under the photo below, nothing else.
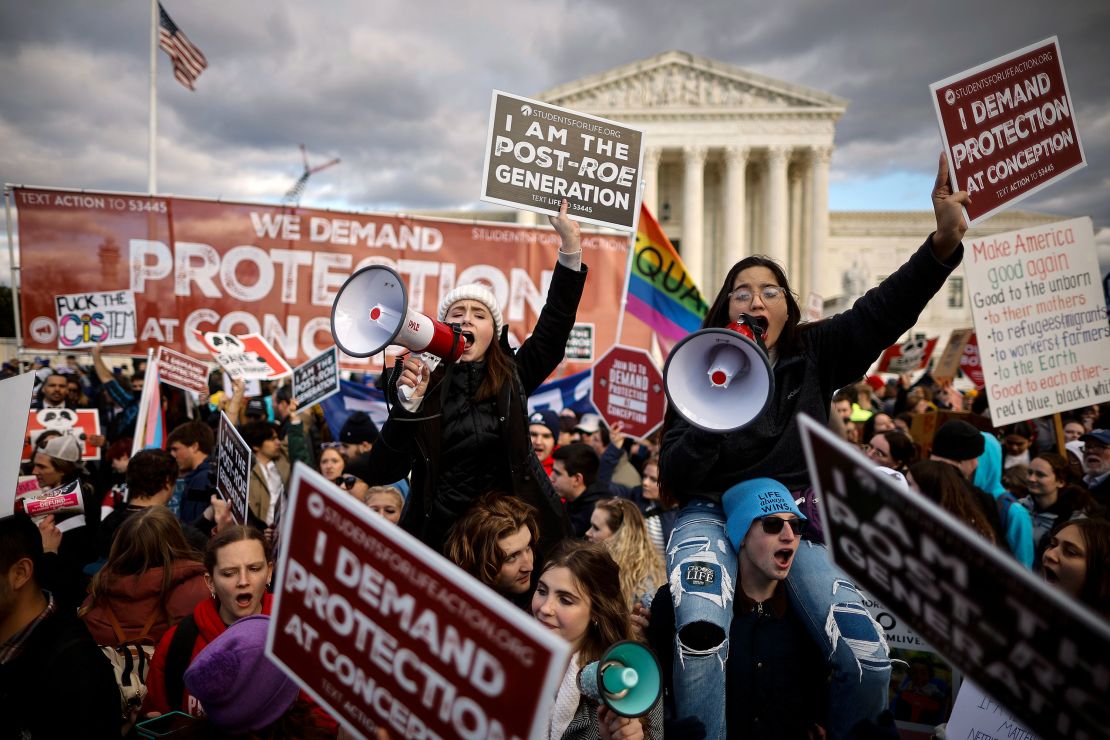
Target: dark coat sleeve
(847, 344)
(542, 352)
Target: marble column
(735, 204)
(777, 213)
(693, 205)
(652, 155)
(819, 214)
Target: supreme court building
(737, 163)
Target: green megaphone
(627, 679)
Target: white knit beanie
(474, 292)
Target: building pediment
(681, 82)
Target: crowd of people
(706, 547)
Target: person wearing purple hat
(242, 691)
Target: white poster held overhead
(88, 319)
(15, 398)
(1040, 319)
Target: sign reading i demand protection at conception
(538, 154)
(1008, 127)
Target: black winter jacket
(830, 354)
(502, 450)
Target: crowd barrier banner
(537, 154)
(233, 469)
(87, 319)
(1040, 320)
(1041, 654)
(240, 268)
(385, 632)
(182, 371)
(1009, 128)
(15, 397)
(316, 379)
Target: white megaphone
(371, 311)
(720, 380)
(627, 679)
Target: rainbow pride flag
(660, 292)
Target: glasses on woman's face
(774, 525)
(768, 294)
(346, 481)
(331, 445)
(876, 454)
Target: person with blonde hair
(152, 580)
(619, 525)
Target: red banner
(197, 265)
(907, 356)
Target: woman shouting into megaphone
(462, 428)
(808, 362)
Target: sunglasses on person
(348, 481)
(774, 525)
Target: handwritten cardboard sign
(182, 371)
(1030, 646)
(949, 363)
(1009, 127)
(316, 379)
(384, 632)
(88, 319)
(233, 468)
(1040, 319)
(976, 715)
(537, 154)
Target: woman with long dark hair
(1077, 560)
(1054, 498)
(810, 361)
(942, 484)
(464, 431)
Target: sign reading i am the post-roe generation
(1009, 127)
(538, 154)
(1040, 319)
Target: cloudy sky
(400, 90)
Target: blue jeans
(702, 570)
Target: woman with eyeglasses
(810, 361)
(892, 449)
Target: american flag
(188, 61)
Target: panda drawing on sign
(63, 421)
(231, 355)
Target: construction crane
(293, 196)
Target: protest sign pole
(15, 270)
(1058, 423)
(628, 263)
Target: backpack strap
(178, 656)
(121, 636)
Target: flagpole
(152, 148)
(628, 264)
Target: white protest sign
(537, 154)
(1040, 320)
(1037, 650)
(15, 398)
(1009, 127)
(233, 469)
(976, 715)
(89, 319)
(385, 633)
